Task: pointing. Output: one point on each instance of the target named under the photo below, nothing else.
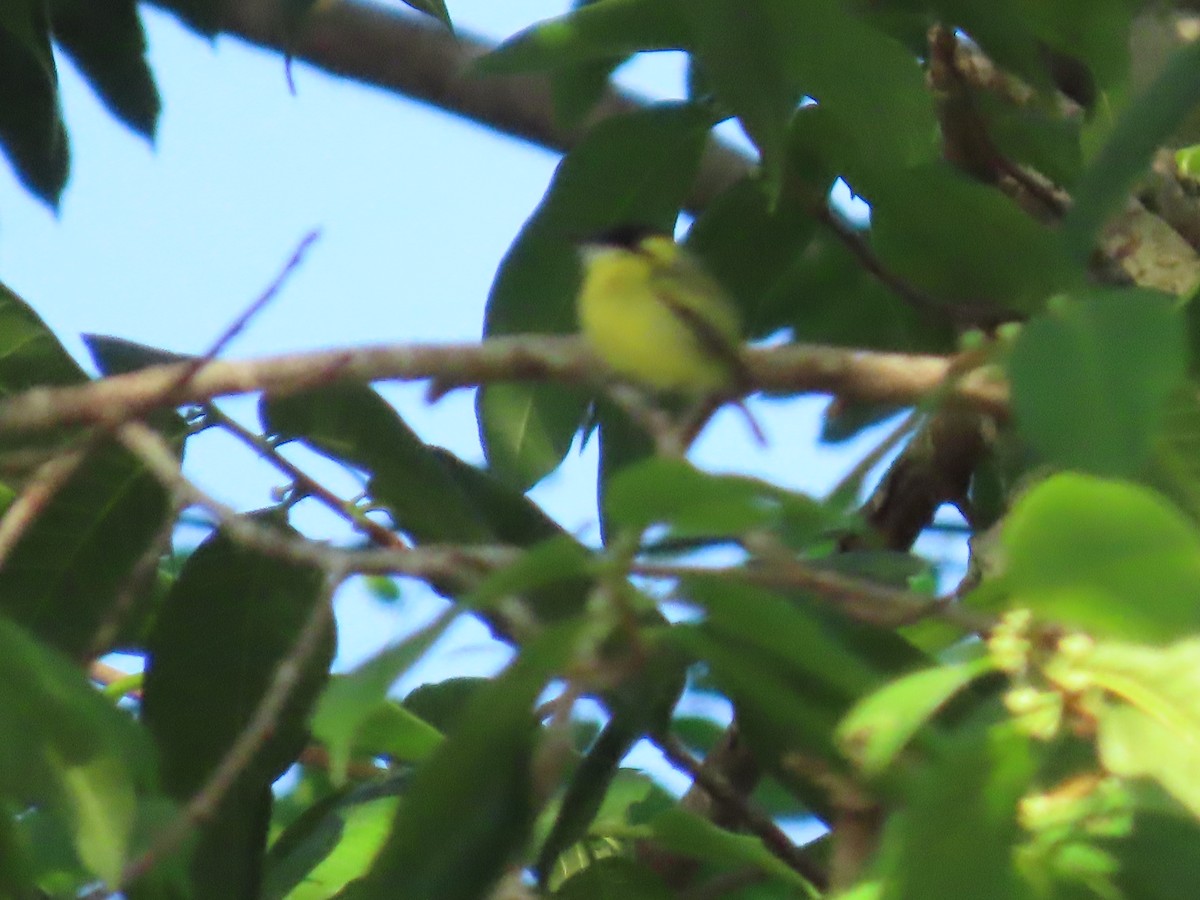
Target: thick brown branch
(858, 375)
(414, 56)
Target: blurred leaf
(748, 245)
(68, 567)
(1108, 557)
(69, 749)
(955, 239)
(763, 56)
(230, 621)
(117, 356)
(434, 8)
(640, 705)
(636, 168)
(956, 834)
(527, 430)
(1091, 378)
(827, 297)
(354, 424)
(597, 31)
(349, 701)
(1149, 721)
(1161, 852)
(330, 845)
(685, 832)
(470, 806)
(614, 878)
(882, 724)
(105, 40)
(623, 443)
(1174, 466)
(30, 354)
(1144, 125)
(31, 128)
(441, 703)
(692, 502)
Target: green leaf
(30, 354)
(636, 168)
(692, 502)
(64, 574)
(685, 832)
(470, 807)
(527, 430)
(330, 844)
(350, 701)
(1107, 557)
(748, 245)
(1144, 125)
(117, 356)
(882, 724)
(956, 834)
(70, 749)
(105, 40)
(614, 878)
(1174, 466)
(32, 132)
(955, 239)
(763, 56)
(354, 424)
(597, 31)
(1091, 378)
(231, 619)
(1148, 725)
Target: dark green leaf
(748, 245)
(31, 127)
(105, 40)
(230, 620)
(1143, 126)
(1092, 377)
(354, 424)
(1108, 557)
(117, 356)
(69, 566)
(30, 354)
(956, 239)
(470, 807)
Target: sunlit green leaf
(1108, 557)
(880, 726)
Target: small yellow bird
(650, 310)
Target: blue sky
(166, 244)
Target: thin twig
(757, 821)
(305, 483)
(262, 723)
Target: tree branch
(855, 375)
(414, 56)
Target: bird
(652, 312)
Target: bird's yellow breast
(630, 327)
